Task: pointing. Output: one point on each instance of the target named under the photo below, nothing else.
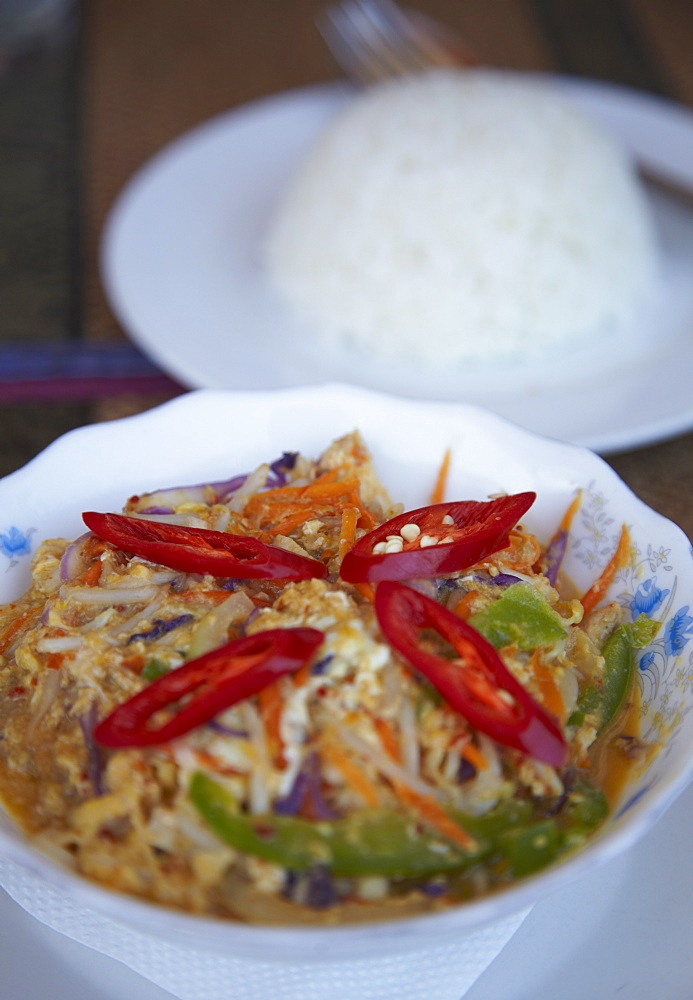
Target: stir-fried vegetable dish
(283, 699)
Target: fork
(372, 40)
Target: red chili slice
(478, 684)
(201, 550)
(210, 683)
(465, 531)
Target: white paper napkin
(444, 972)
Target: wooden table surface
(81, 112)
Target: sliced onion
(280, 466)
(259, 801)
(409, 741)
(58, 643)
(49, 690)
(73, 562)
(307, 787)
(87, 723)
(383, 763)
(109, 595)
(186, 520)
(219, 727)
(499, 580)
(174, 496)
(554, 557)
(252, 484)
(166, 500)
(161, 627)
(145, 614)
(211, 631)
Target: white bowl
(213, 435)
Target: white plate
(182, 267)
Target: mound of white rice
(462, 216)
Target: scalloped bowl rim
(377, 415)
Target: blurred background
(90, 90)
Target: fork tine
(375, 39)
(348, 47)
(370, 40)
(391, 32)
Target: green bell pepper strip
(520, 617)
(529, 842)
(154, 669)
(385, 842)
(532, 847)
(369, 842)
(617, 677)
(585, 809)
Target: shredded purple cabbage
(321, 666)
(289, 804)
(95, 760)
(280, 466)
(72, 562)
(314, 887)
(465, 771)
(554, 557)
(219, 727)
(320, 890)
(504, 580)
(222, 489)
(306, 789)
(500, 580)
(160, 627)
(434, 888)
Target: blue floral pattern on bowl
(15, 544)
(647, 586)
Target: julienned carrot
(388, 739)
(471, 752)
(351, 772)
(521, 553)
(271, 707)
(425, 805)
(293, 520)
(366, 520)
(54, 661)
(367, 591)
(299, 514)
(11, 633)
(212, 763)
(549, 692)
(438, 492)
(91, 576)
(435, 815)
(283, 493)
(567, 519)
(465, 606)
(619, 559)
(347, 535)
(324, 486)
(303, 675)
(324, 490)
(211, 596)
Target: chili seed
(410, 532)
